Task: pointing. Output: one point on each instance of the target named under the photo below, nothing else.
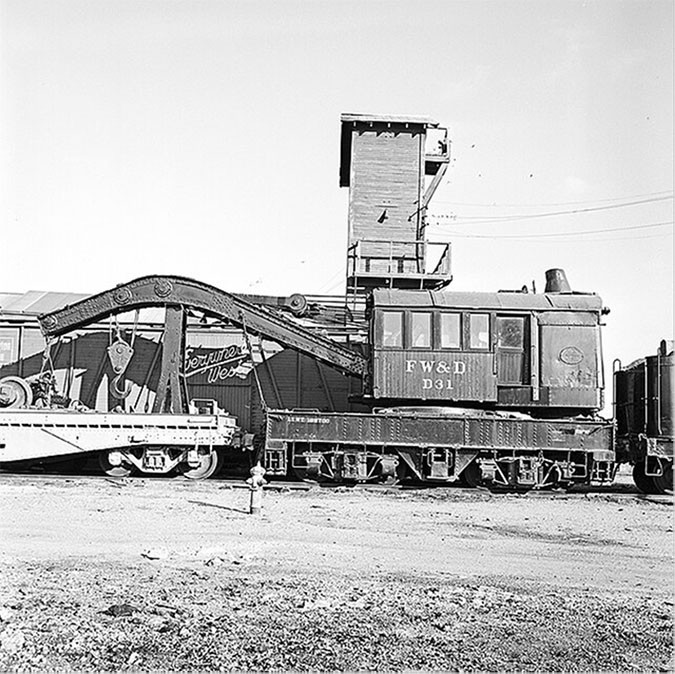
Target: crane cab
(496, 350)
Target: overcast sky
(201, 138)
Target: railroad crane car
(503, 388)
(643, 409)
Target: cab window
(450, 331)
(510, 332)
(392, 329)
(420, 330)
(479, 331)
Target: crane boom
(177, 291)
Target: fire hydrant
(256, 482)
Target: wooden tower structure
(392, 166)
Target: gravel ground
(146, 575)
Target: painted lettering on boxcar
(217, 364)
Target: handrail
(355, 254)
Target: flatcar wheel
(209, 464)
(471, 475)
(663, 484)
(644, 483)
(109, 469)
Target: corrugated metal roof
(8, 298)
(505, 301)
(36, 302)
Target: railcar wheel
(402, 472)
(209, 464)
(645, 483)
(471, 475)
(300, 474)
(663, 484)
(109, 469)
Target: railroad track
(623, 488)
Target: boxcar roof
(505, 301)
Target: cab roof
(501, 301)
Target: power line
(479, 220)
(612, 239)
(561, 203)
(558, 234)
(624, 238)
(334, 286)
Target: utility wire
(479, 220)
(330, 284)
(334, 286)
(608, 240)
(558, 234)
(562, 203)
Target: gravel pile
(237, 614)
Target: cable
(562, 203)
(553, 234)
(479, 220)
(334, 286)
(339, 272)
(613, 239)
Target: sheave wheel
(209, 464)
(643, 482)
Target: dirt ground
(166, 574)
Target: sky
(201, 138)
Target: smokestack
(556, 282)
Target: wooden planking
(435, 375)
(386, 176)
